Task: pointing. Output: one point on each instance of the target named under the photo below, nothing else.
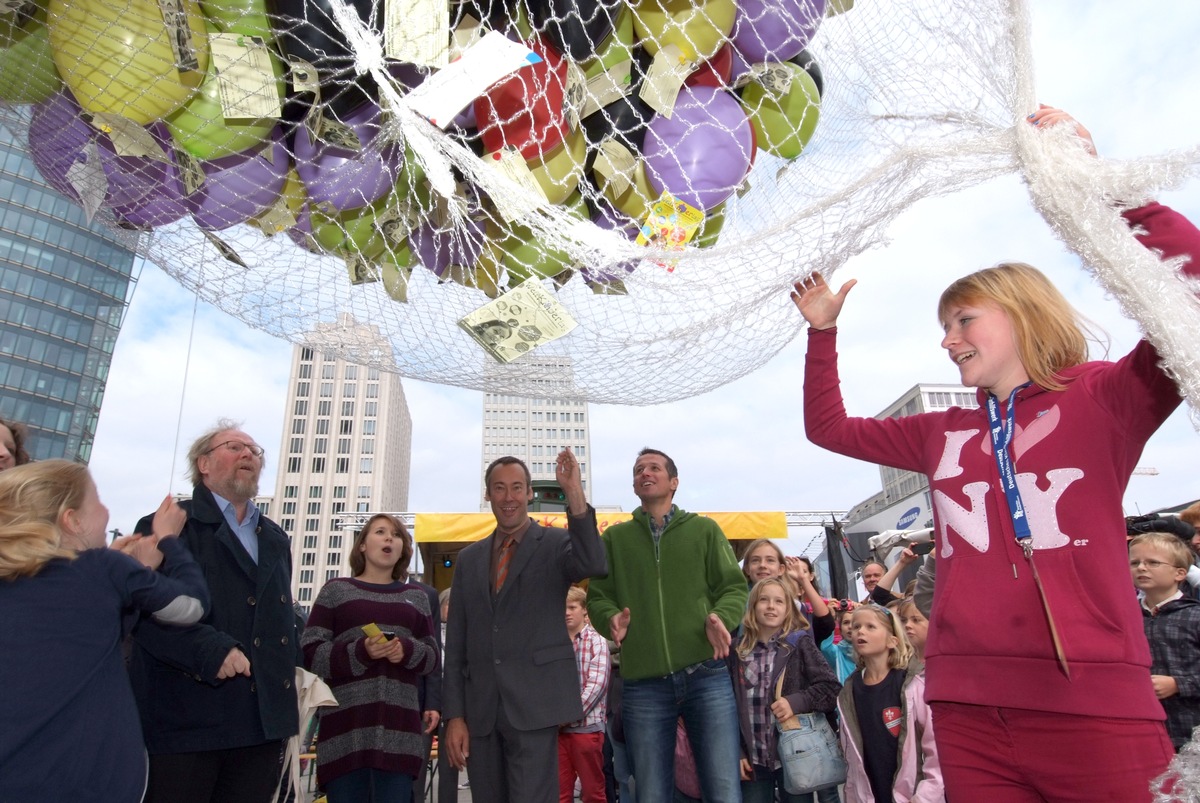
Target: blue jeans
(762, 790)
(703, 695)
(370, 786)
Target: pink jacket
(918, 775)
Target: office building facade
(64, 287)
(346, 447)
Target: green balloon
(200, 126)
(239, 16)
(523, 255)
(27, 73)
(784, 122)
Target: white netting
(800, 134)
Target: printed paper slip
(519, 321)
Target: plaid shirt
(591, 657)
(757, 668)
(1173, 632)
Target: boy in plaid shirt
(1159, 563)
(581, 744)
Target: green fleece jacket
(669, 591)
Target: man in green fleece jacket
(672, 594)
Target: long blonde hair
(898, 657)
(1049, 334)
(793, 620)
(33, 498)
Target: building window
(352, 372)
(327, 372)
(320, 445)
(343, 446)
(373, 374)
(368, 427)
(306, 372)
(306, 594)
(314, 508)
(335, 542)
(349, 390)
(342, 466)
(308, 559)
(331, 574)
(291, 491)
(333, 559)
(293, 465)
(306, 575)
(314, 492)
(346, 428)
(324, 408)
(318, 465)
(368, 446)
(372, 391)
(302, 389)
(301, 407)
(364, 492)
(338, 507)
(326, 389)
(289, 508)
(581, 451)
(312, 525)
(365, 465)
(339, 492)
(298, 426)
(297, 446)
(288, 524)
(362, 507)
(306, 354)
(372, 409)
(347, 409)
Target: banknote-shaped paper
(519, 321)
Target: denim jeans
(703, 695)
(370, 786)
(762, 790)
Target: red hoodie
(1074, 450)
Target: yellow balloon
(698, 29)
(559, 171)
(27, 72)
(616, 47)
(634, 201)
(117, 56)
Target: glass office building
(64, 285)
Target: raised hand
(819, 305)
(1047, 116)
(570, 480)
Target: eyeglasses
(237, 447)
(1149, 564)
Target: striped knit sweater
(377, 722)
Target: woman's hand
(746, 771)
(380, 648)
(1047, 116)
(819, 305)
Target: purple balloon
(606, 217)
(775, 30)
(142, 192)
(238, 187)
(438, 249)
(703, 151)
(57, 138)
(341, 178)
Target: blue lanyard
(1002, 436)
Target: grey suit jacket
(514, 646)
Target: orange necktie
(506, 553)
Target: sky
(1132, 78)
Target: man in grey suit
(510, 678)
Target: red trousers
(1009, 755)
(581, 754)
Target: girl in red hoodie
(1037, 670)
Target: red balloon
(526, 109)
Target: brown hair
(20, 455)
(507, 460)
(358, 561)
(755, 545)
(1049, 333)
(577, 595)
(1191, 514)
(33, 498)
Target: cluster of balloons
(322, 168)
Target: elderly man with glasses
(217, 698)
